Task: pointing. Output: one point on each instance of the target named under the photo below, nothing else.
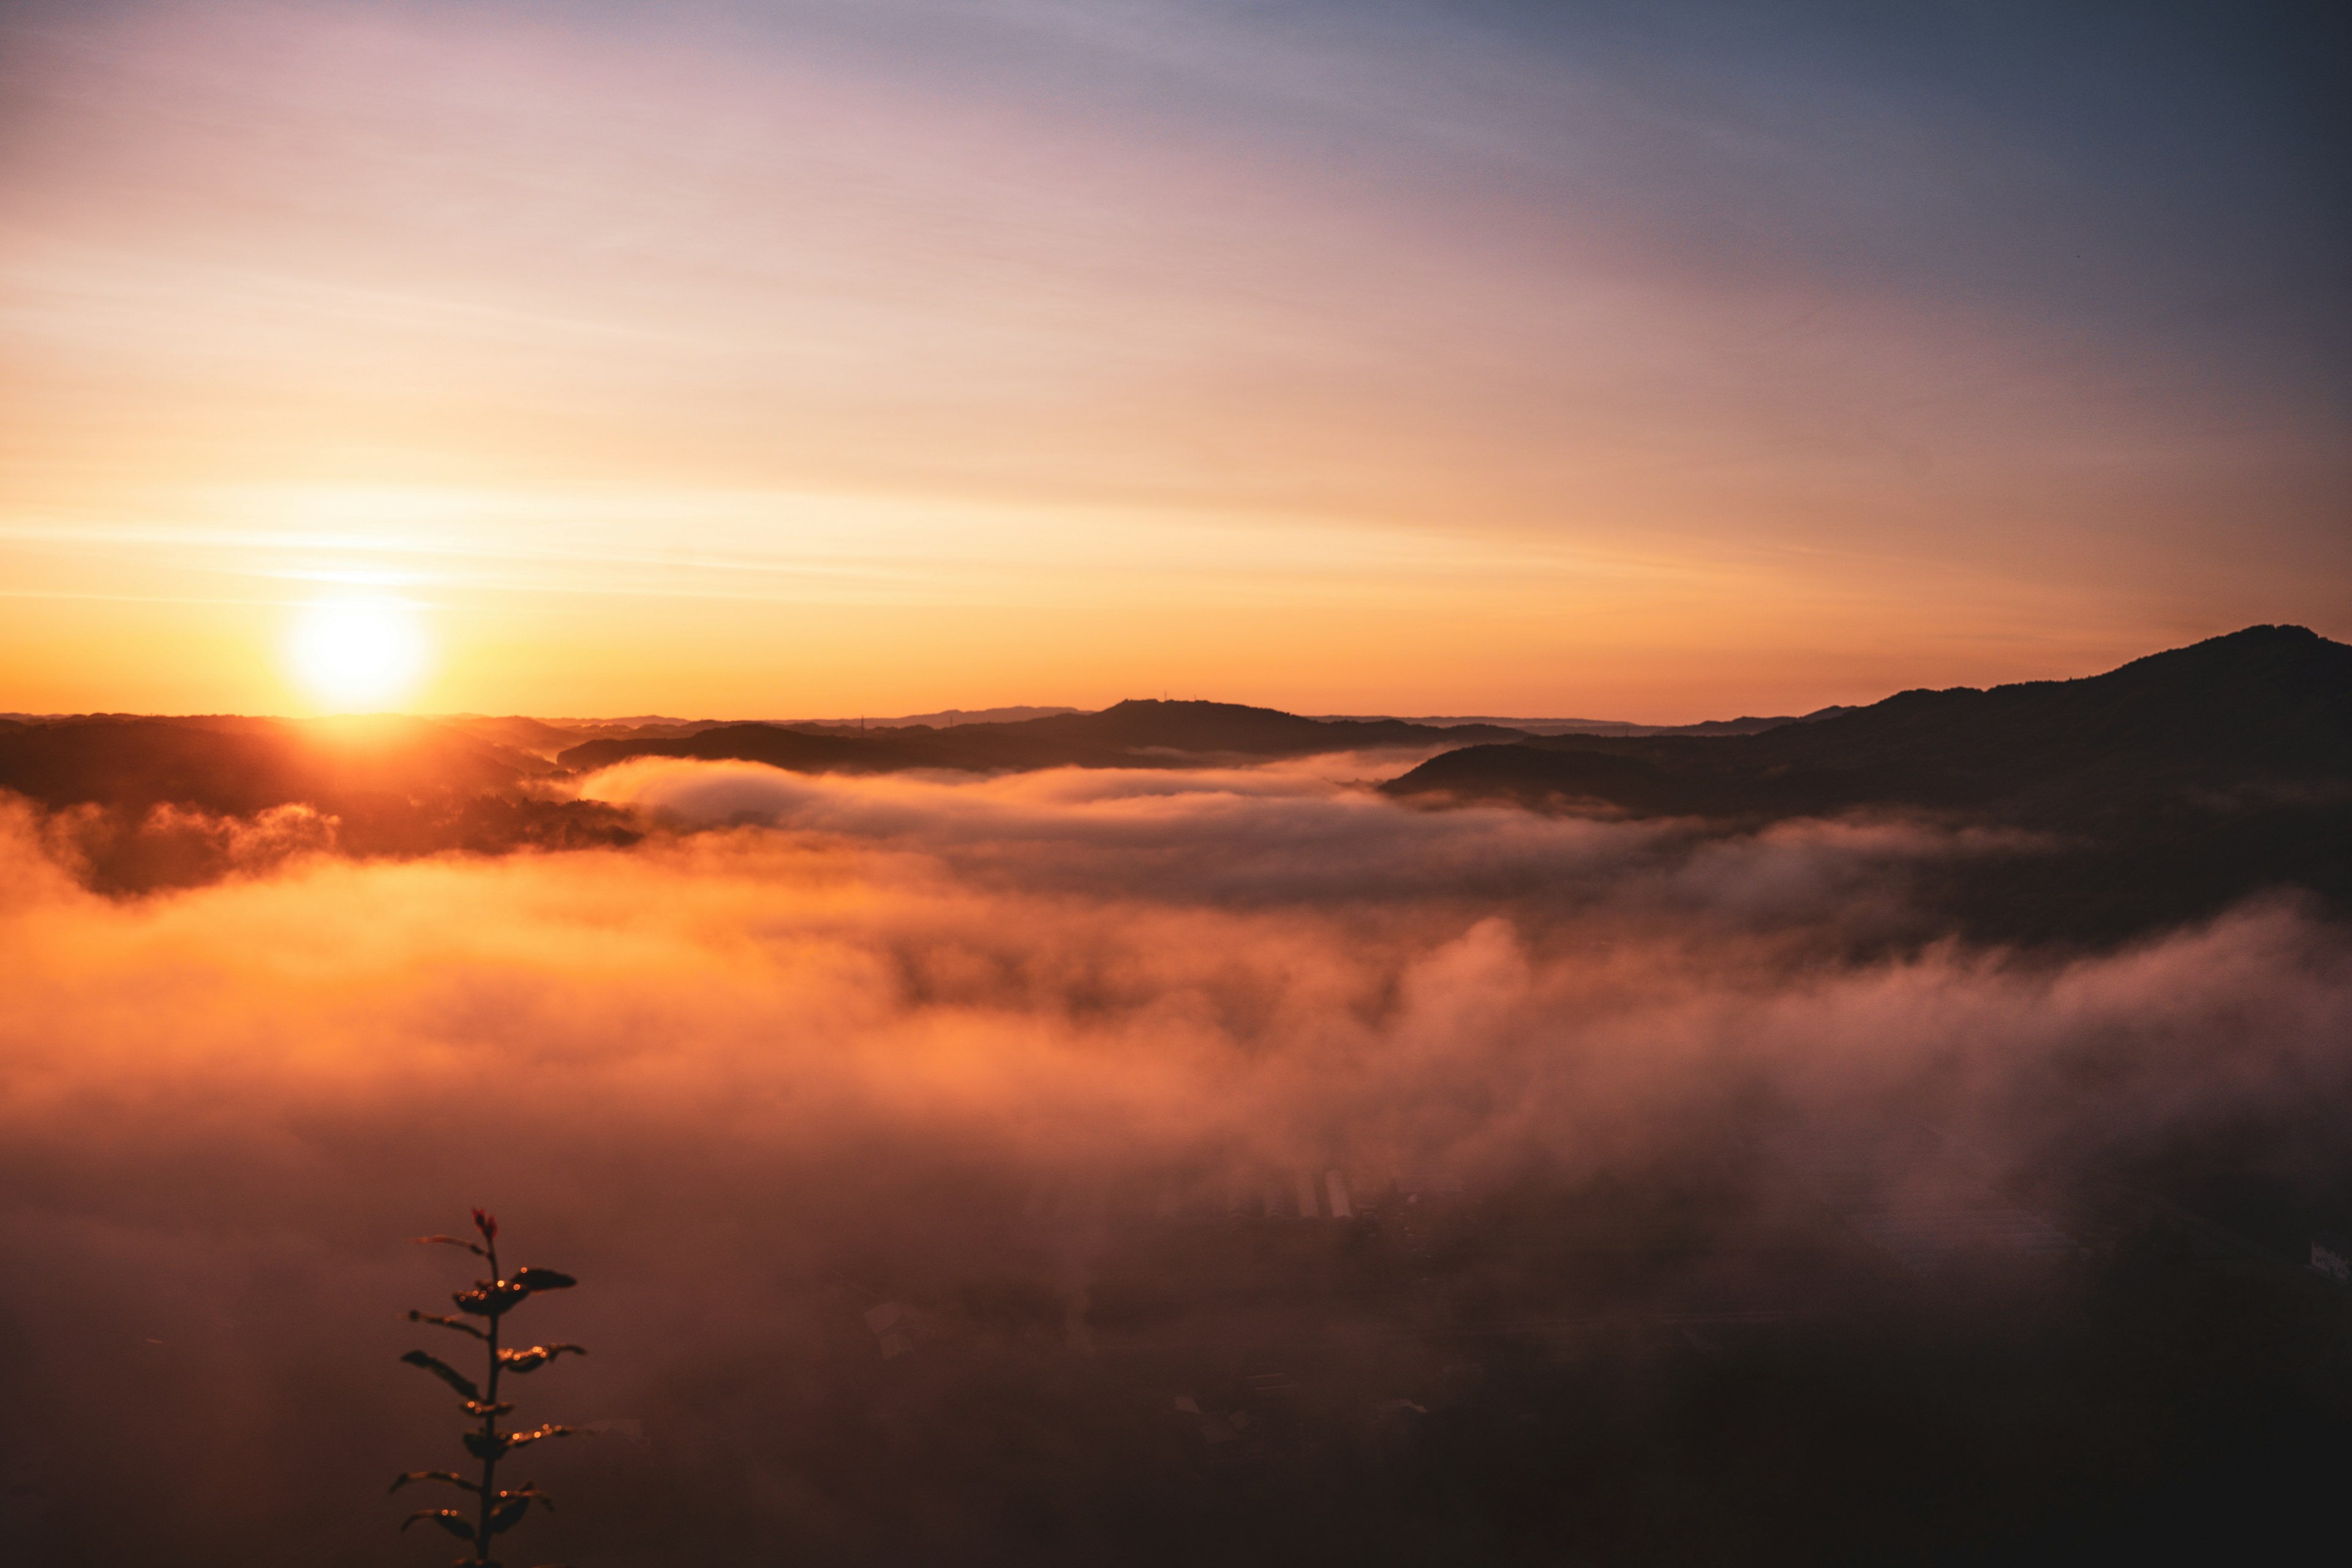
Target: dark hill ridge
(535, 736)
(1212, 728)
(1747, 724)
(1135, 734)
(393, 786)
(965, 748)
(238, 765)
(2266, 711)
(2161, 792)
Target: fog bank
(864, 1045)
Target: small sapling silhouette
(497, 1509)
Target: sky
(1656, 361)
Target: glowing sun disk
(358, 653)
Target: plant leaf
(444, 1372)
(450, 1241)
(452, 1476)
(490, 1298)
(537, 1356)
(523, 1439)
(476, 1408)
(529, 1279)
(501, 1443)
(446, 1322)
(449, 1518)
(508, 1511)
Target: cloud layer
(845, 1044)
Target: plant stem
(490, 1423)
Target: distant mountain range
(2160, 791)
(1189, 727)
(550, 735)
(2258, 716)
(145, 803)
(1749, 725)
(2156, 790)
(1145, 732)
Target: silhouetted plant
(497, 1509)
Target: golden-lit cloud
(722, 1072)
(1145, 965)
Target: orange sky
(813, 360)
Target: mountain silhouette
(2158, 792)
(2153, 792)
(226, 764)
(1747, 724)
(811, 749)
(2264, 713)
(1135, 734)
(147, 802)
(1213, 728)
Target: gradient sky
(1646, 361)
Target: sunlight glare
(359, 653)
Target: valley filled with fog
(1217, 1159)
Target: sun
(358, 654)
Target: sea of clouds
(825, 1033)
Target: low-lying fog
(1005, 1060)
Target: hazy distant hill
(945, 719)
(1137, 733)
(1209, 728)
(967, 747)
(226, 764)
(1745, 725)
(535, 736)
(658, 726)
(2153, 792)
(154, 802)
